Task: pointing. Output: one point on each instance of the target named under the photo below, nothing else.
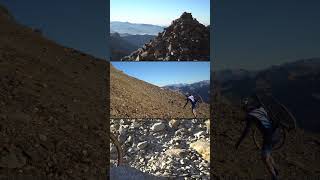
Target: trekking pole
(118, 147)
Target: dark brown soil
(53, 102)
(133, 98)
(298, 158)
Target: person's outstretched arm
(186, 103)
(245, 131)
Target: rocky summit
(184, 40)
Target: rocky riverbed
(166, 148)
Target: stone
(174, 123)
(113, 149)
(142, 145)
(43, 137)
(176, 153)
(203, 148)
(199, 134)
(158, 127)
(207, 122)
(144, 54)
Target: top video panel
(160, 30)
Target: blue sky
(165, 73)
(78, 24)
(158, 12)
(253, 34)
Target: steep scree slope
(133, 98)
(52, 107)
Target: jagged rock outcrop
(185, 39)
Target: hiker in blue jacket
(190, 98)
(258, 115)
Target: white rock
(158, 127)
(199, 134)
(142, 145)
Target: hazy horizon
(152, 12)
(277, 63)
(166, 73)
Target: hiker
(193, 102)
(255, 113)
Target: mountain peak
(186, 15)
(185, 39)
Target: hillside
(133, 98)
(52, 107)
(122, 45)
(185, 39)
(295, 84)
(298, 159)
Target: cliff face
(52, 107)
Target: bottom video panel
(156, 149)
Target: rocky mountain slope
(299, 158)
(201, 88)
(185, 39)
(122, 46)
(52, 107)
(133, 98)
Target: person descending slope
(193, 102)
(256, 113)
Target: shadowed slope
(52, 107)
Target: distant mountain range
(123, 45)
(126, 28)
(201, 88)
(294, 84)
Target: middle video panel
(160, 90)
